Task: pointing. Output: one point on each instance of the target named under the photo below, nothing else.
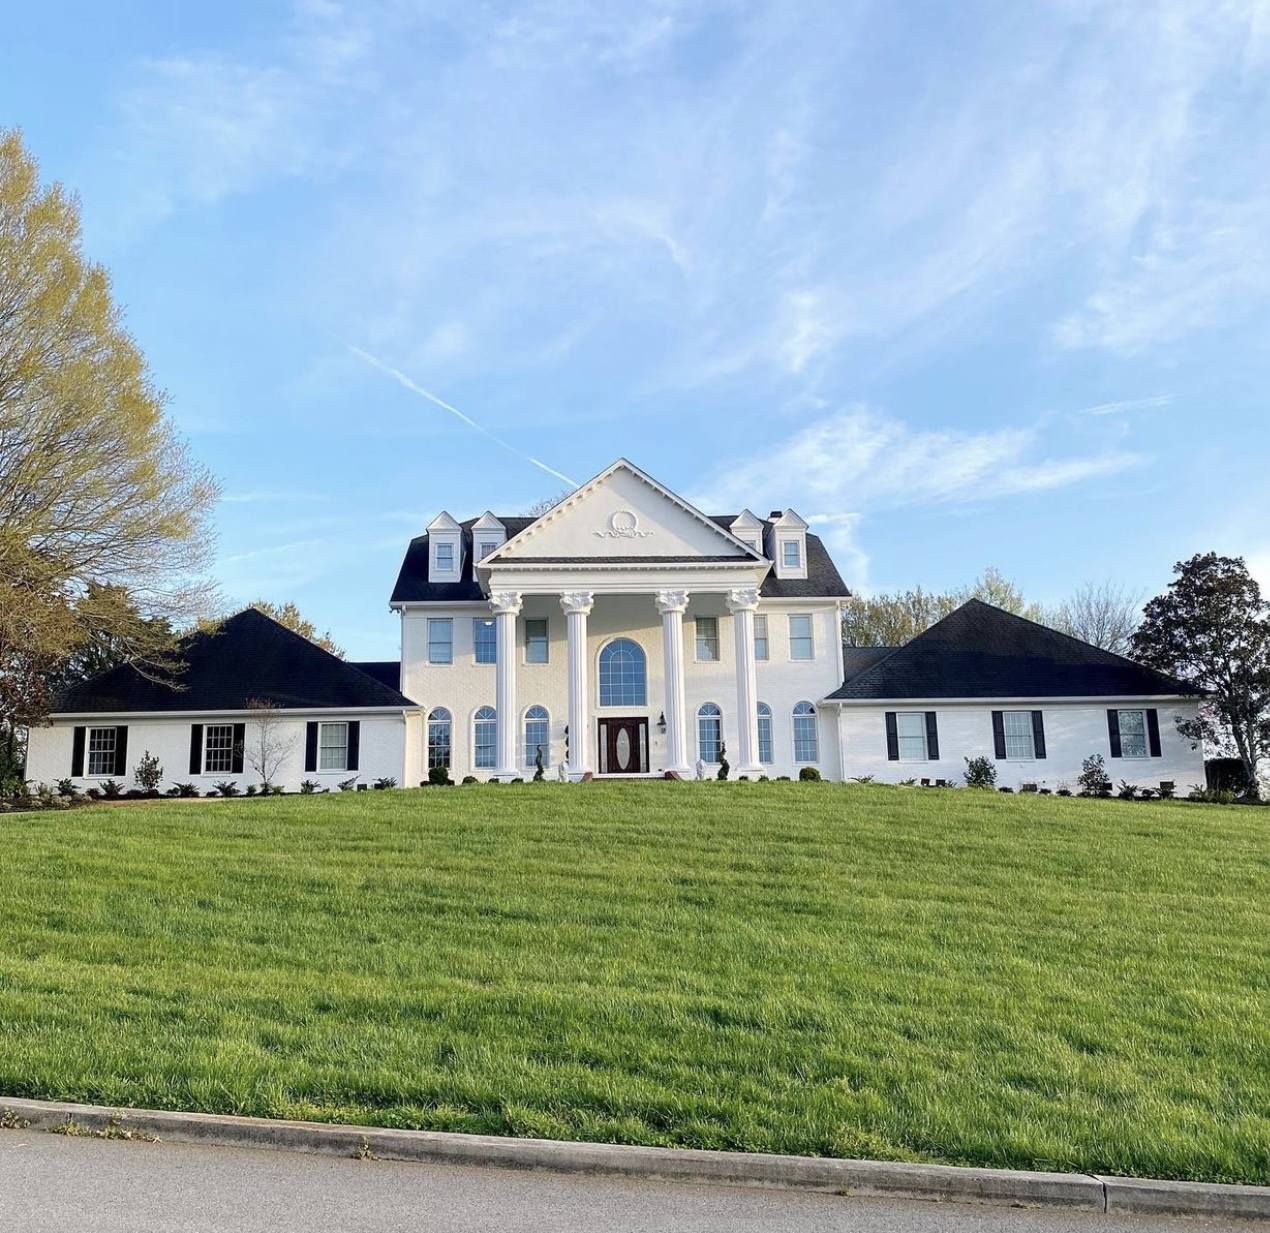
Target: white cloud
(1129, 404)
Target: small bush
(66, 787)
(227, 787)
(538, 771)
(148, 773)
(439, 775)
(470, 779)
(764, 779)
(782, 779)
(809, 774)
(743, 779)
(724, 765)
(1005, 790)
(252, 789)
(861, 778)
(1063, 792)
(385, 781)
(514, 781)
(1093, 777)
(1168, 789)
(186, 790)
(308, 787)
(93, 794)
(111, 789)
(981, 772)
(1127, 791)
(347, 785)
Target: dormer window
(445, 558)
(488, 535)
(787, 544)
(484, 548)
(445, 549)
(791, 554)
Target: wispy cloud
(1129, 404)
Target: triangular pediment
(622, 513)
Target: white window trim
(428, 641)
(900, 738)
(1031, 738)
(766, 639)
(794, 721)
(537, 663)
(478, 719)
(207, 740)
(811, 637)
(89, 773)
(322, 726)
(718, 642)
(485, 623)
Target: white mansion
(625, 633)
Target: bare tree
(1101, 613)
(540, 507)
(269, 744)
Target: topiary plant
(724, 765)
(538, 775)
(439, 776)
(809, 774)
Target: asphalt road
(52, 1182)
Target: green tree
(1212, 628)
(289, 615)
(103, 515)
(892, 620)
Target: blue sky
(965, 284)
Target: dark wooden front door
(623, 746)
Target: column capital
(742, 599)
(671, 601)
(577, 602)
(505, 601)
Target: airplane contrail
(414, 387)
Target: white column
(671, 605)
(742, 605)
(577, 605)
(505, 606)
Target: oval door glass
(622, 749)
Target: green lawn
(784, 967)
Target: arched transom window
(623, 674)
(537, 735)
(439, 729)
(485, 739)
(709, 732)
(806, 736)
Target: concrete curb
(866, 1178)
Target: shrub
(439, 775)
(538, 774)
(1063, 792)
(227, 787)
(66, 787)
(1127, 790)
(252, 789)
(111, 789)
(782, 779)
(724, 765)
(863, 779)
(515, 781)
(764, 779)
(148, 773)
(385, 781)
(1168, 789)
(1005, 790)
(743, 779)
(1093, 777)
(183, 789)
(473, 779)
(308, 787)
(347, 785)
(809, 774)
(981, 772)
(93, 794)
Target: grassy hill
(784, 967)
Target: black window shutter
(121, 751)
(998, 733)
(1113, 732)
(1038, 733)
(196, 749)
(932, 736)
(1153, 731)
(354, 743)
(240, 743)
(310, 745)
(77, 751)
(892, 738)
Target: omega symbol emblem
(623, 525)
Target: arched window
(438, 737)
(537, 735)
(709, 732)
(806, 735)
(486, 739)
(623, 674)
(765, 733)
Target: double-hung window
(791, 554)
(484, 549)
(440, 640)
(1019, 743)
(806, 737)
(101, 750)
(910, 728)
(218, 749)
(1133, 734)
(707, 637)
(760, 636)
(486, 738)
(485, 640)
(537, 735)
(333, 747)
(445, 558)
(765, 734)
(710, 733)
(800, 641)
(536, 641)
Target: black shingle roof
(248, 656)
(980, 651)
(413, 586)
(385, 671)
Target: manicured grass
(811, 968)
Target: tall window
(101, 750)
(1018, 734)
(910, 729)
(486, 739)
(445, 558)
(218, 749)
(537, 735)
(1133, 734)
(806, 736)
(760, 636)
(485, 640)
(623, 674)
(765, 733)
(800, 644)
(333, 747)
(707, 637)
(709, 732)
(791, 556)
(536, 641)
(440, 640)
(439, 727)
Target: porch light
(661, 723)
